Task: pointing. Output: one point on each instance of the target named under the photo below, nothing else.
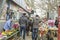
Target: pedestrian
(30, 26)
(23, 24)
(8, 25)
(56, 22)
(35, 27)
(27, 28)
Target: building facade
(13, 5)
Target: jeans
(34, 33)
(22, 31)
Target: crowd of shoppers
(28, 24)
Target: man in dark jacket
(23, 24)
